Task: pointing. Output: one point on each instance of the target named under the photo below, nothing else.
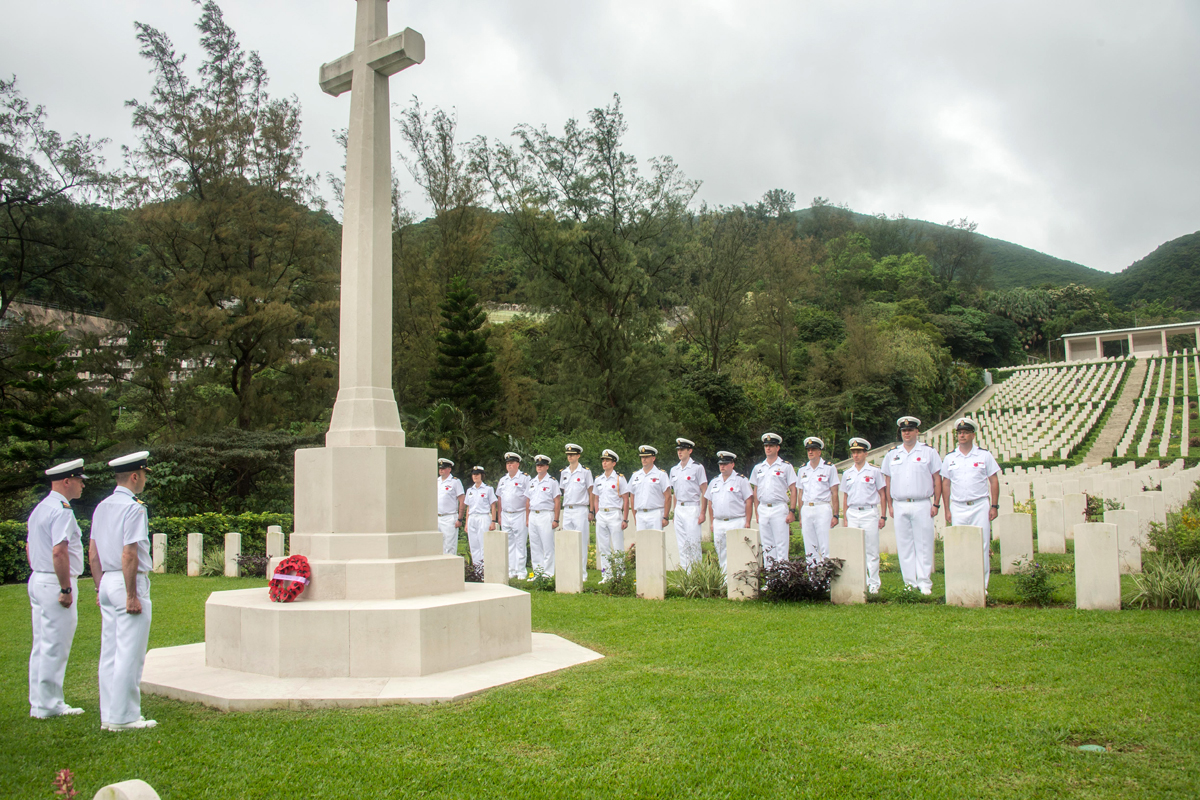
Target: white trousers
(541, 541)
(513, 524)
(576, 519)
(774, 533)
(53, 632)
(976, 514)
(814, 526)
(687, 533)
(610, 538)
(448, 525)
(721, 527)
(123, 640)
(868, 520)
(649, 520)
(476, 525)
(914, 542)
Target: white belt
(610, 509)
(863, 508)
(577, 505)
(969, 502)
(518, 511)
(817, 504)
(481, 514)
(449, 514)
(726, 519)
(685, 505)
(541, 511)
(771, 504)
(644, 510)
(912, 499)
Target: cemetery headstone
(1129, 540)
(651, 564)
(1097, 567)
(1015, 532)
(962, 554)
(1051, 531)
(159, 556)
(850, 545)
(195, 553)
(743, 557)
(233, 551)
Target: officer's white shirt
(121, 520)
(609, 489)
(862, 486)
(541, 493)
(727, 496)
(687, 481)
(574, 485)
(648, 488)
(511, 491)
(449, 490)
(817, 482)
(773, 481)
(912, 471)
(52, 523)
(968, 473)
(480, 499)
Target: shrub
(472, 572)
(1097, 505)
(1179, 538)
(620, 574)
(214, 562)
(1033, 583)
(798, 580)
(887, 563)
(541, 582)
(903, 594)
(1168, 582)
(703, 578)
(251, 566)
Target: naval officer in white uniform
(510, 491)
(55, 551)
(450, 506)
(914, 487)
(575, 483)
(688, 485)
(650, 489)
(817, 497)
(774, 482)
(610, 494)
(865, 499)
(971, 486)
(730, 502)
(120, 557)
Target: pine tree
(465, 374)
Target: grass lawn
(696, 698)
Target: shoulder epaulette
(66, 504)
(139, 501)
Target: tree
(53, 241)
(785, 265)
(956, 255)
(600, 241)
(239, 270)
(465, 374)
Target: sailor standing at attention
(55, 552)
(541, 516)
(817, 497)
(450, 506)
(511, 490)
(610, 493)
(688, 485)
(651, 490)
(730, 502)
(575, 482)
(774, 482)
(482, 511)
(914, 495)
(971, 486)
(865, 499)
(119, 553)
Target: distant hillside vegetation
(1014, 265)
(1171, 273)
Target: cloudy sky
(1068, 127)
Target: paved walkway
(1106, 442)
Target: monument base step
(180, 673)
(380, 578)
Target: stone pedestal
(1051, 535)
(568, 577)
(671, 541)
(1015, 532)
(850, 545)
(195, 553)
(159, 552)
(1074, 512)
(887, 537)
(233, 551)
(127, 790)
(1097, 567)
(963, 557)
(1071, 486)
(651, 564)
(1006, 504)
(275, 542)
(495, 556)
(743, 557)
(1175, 492)
(1129, 540)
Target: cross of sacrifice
(365, 413)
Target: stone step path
(1106, 442)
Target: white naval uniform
(121, 520)
(576, 503)
(816, 512)
(648, 490)
(51, 523)
(910, 476)
(479, 517)
(511, 491)
(688, 484)
(860, 489)
(970, 494)
(610, 491)
(541, 494)
(448, 492)
(773, 483)
(727, 508)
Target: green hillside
(1171, 273)
(1014, 265)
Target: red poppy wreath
(290, 578)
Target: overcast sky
(1068, 127)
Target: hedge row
(14, 565)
